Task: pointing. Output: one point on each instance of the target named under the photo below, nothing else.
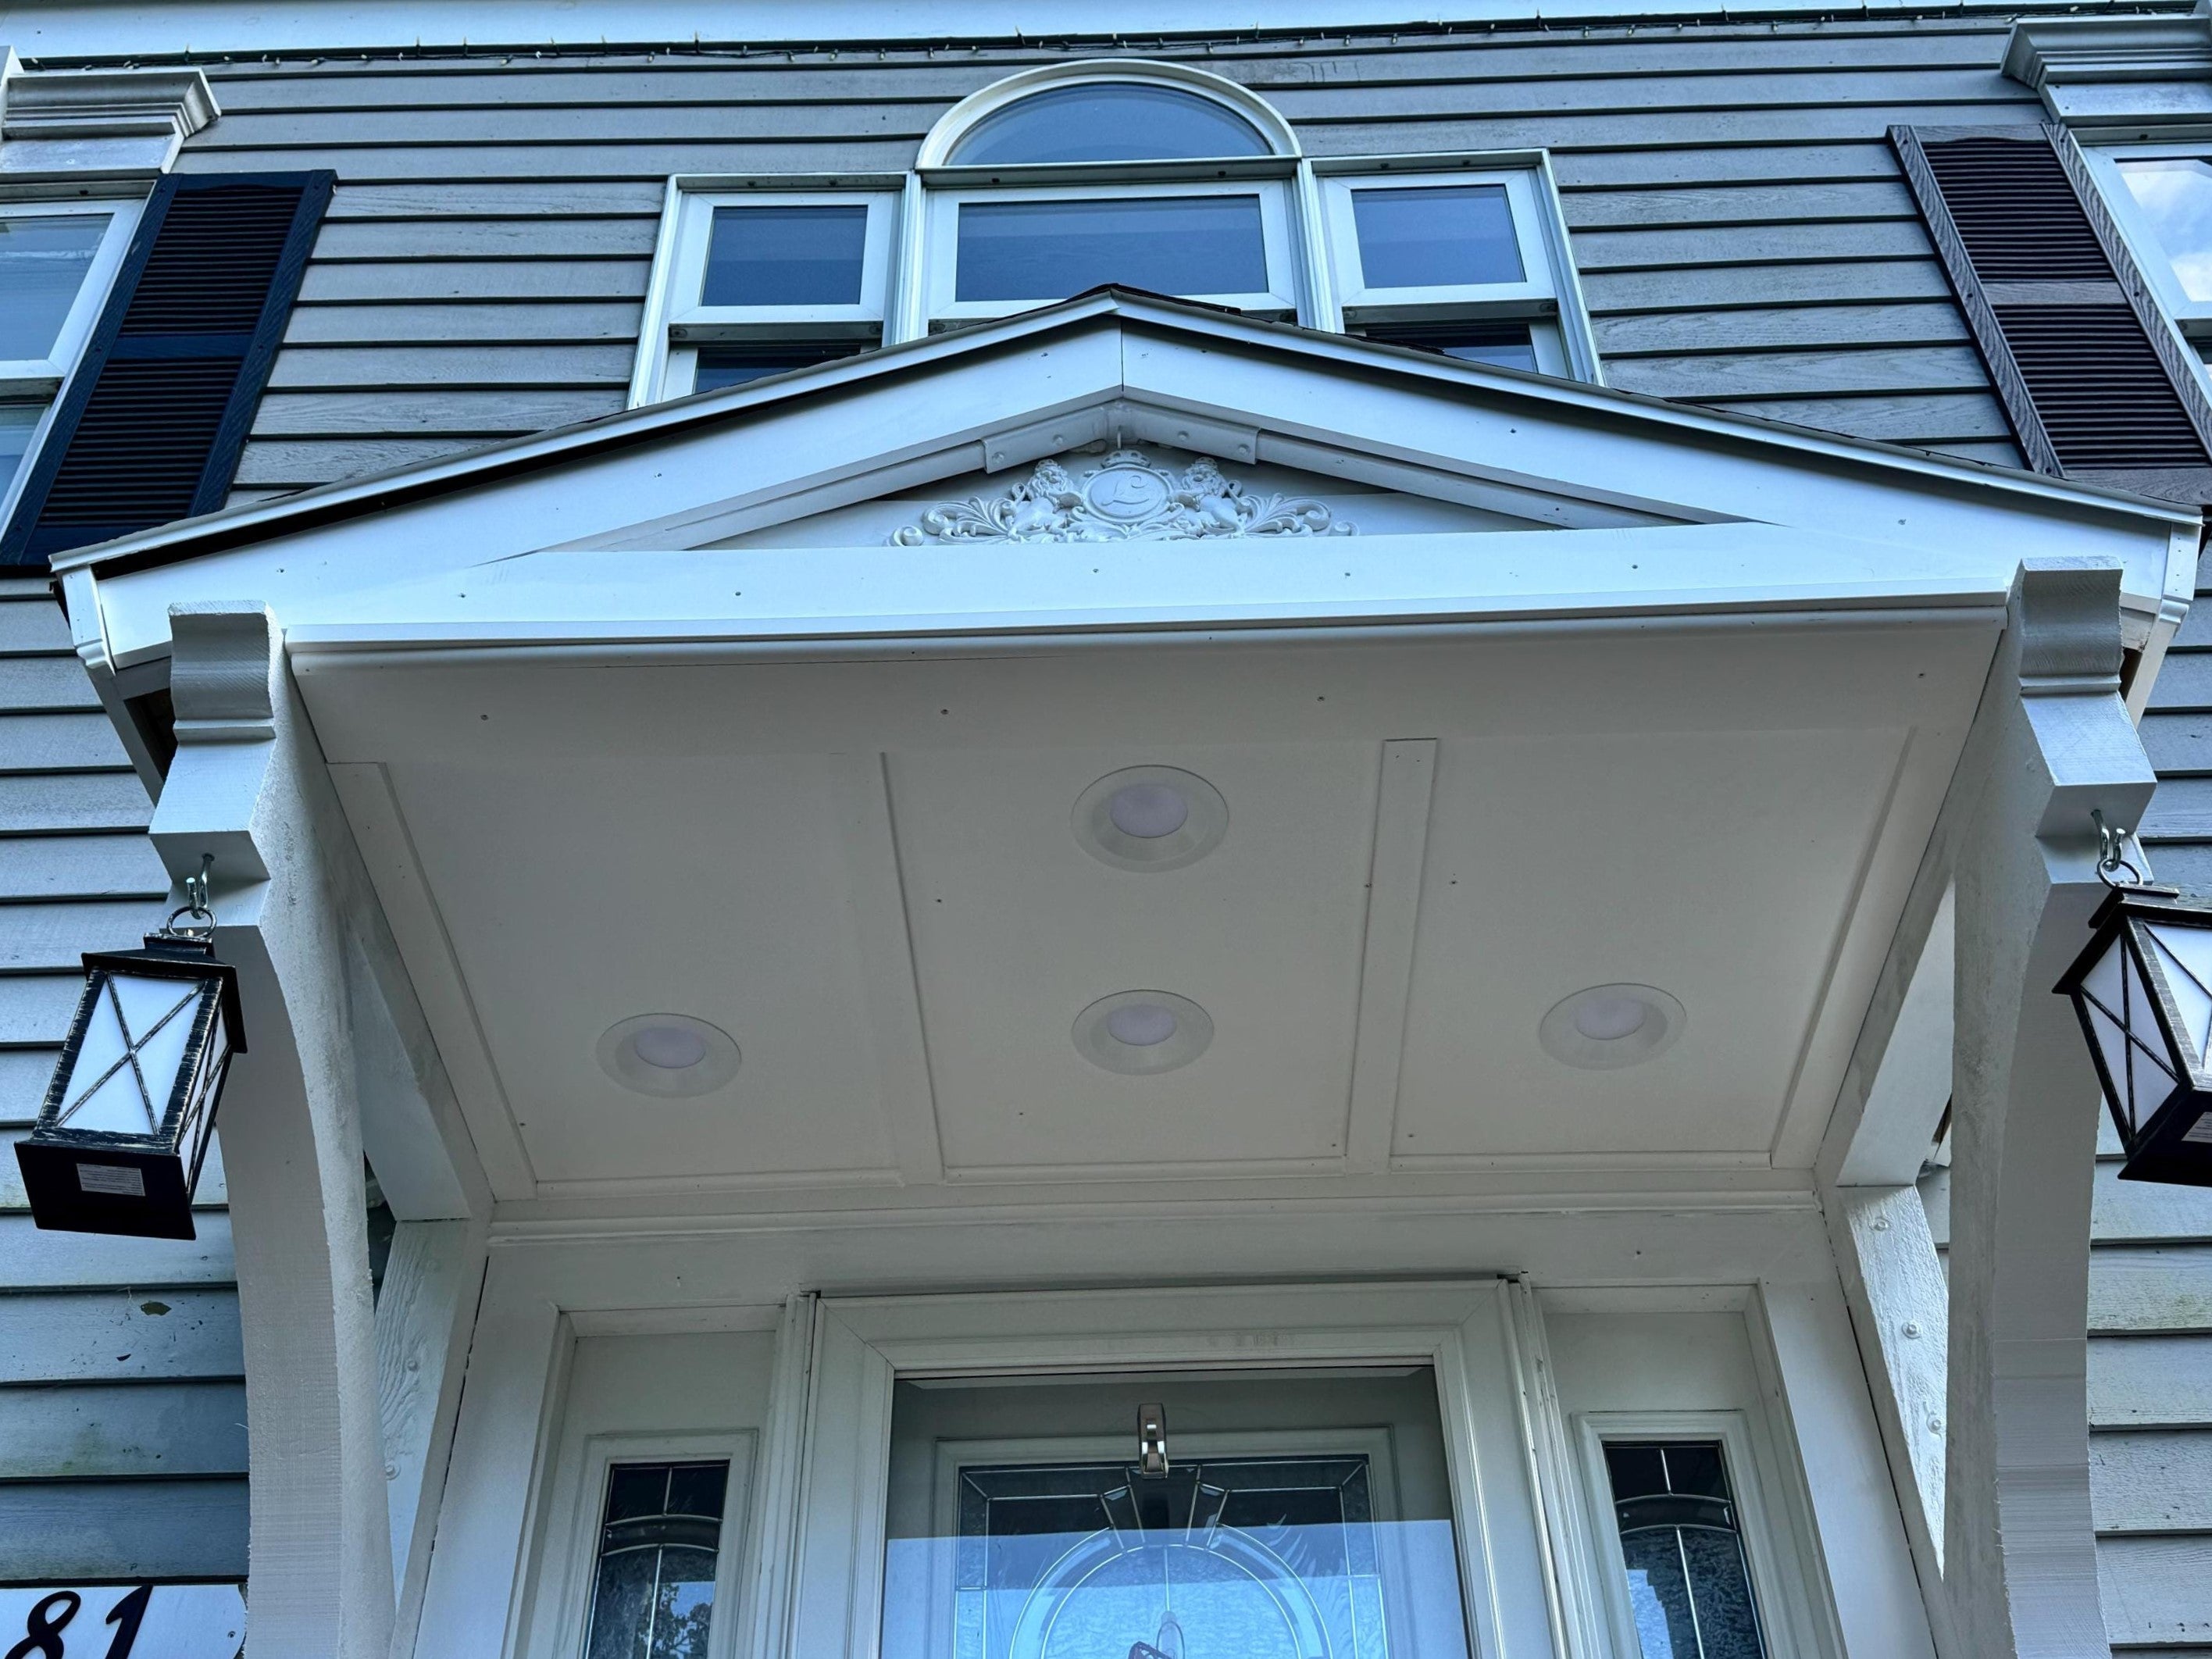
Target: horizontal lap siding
(1743, 236)
(122, 1402)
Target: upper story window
(56, 261)
(2168, 195)
(1150, 176)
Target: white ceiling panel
(1017, 928)
(580, 895)
(1719, 866)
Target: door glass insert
(1689, 1585)
(652, 1595)
(1288, 1515)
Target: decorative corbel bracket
(225, 659)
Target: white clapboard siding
(1724, 168)
(2163, 1289)
(2154, 1589)
(122, 1407)
(2152, 1481)
(2151, 1271)
(86, 1531)
(119, 1336)
(98, 1431)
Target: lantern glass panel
(2184, 962)
(133, 1048)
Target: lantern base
(76, 1189)
(2175, 1147)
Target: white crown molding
(2098, 71)
(111, 126)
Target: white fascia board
(864, 598)
(1005, 396)
(1049, 336)
(93, 29)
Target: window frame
(911, 274)
(939, 253)
(2191, 318)
(91, 297)
(1549, 299)
(674, 331)
(1776, 1590)
(39, 382)
(1363, 303)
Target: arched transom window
(1150, 176)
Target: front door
(1267, 1515)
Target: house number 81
(42, 1627)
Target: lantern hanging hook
(2112, 853)
(202, 923)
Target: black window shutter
(152, 423)
(2094, 382)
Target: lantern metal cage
(2143, 992)
(123, 1132)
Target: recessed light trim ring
(623, 1048)
(1138, 797)
(1169, 1032)
(1596, 1029)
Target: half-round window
(1109, 121)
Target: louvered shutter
(154, 419)
(2092, 379)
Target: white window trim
(561, 1603)
(1363, 303)
(1778, 1576)
(941, 247)
(863, 1345)
(673, 329)
(2192, 316)
(1551, 294)
(956, 123)
(44, 380)
(912, 220)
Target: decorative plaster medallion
(1127, 497)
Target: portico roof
(698, 710)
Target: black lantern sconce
(2143, 990)
(125, 1129)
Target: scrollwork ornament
(1128, 496)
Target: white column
(242, 788)
(2053, 742)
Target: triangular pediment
(1117, 417)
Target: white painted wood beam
(1838, 1494)
(2052, 742)
(1899, 1078)
(1386, 974)
(240, 788)
(425, 1312)
(1900, 1317)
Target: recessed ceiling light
(1139, 1032)
(1151, 817)
(1609, 1026)
(671, 1055)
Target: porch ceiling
(865, 871)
